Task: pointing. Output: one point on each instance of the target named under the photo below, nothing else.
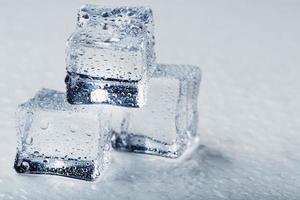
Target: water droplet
(25, 165)
(105, 14)
(105, 26)
(29, 140)
(44, 124)
(106, 147)
(85, 16)
(73, 128)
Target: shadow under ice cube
(57, 138)
(167, 124)
(111, 54)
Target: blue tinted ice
(167, 124)
(110, 56)
(57, 138)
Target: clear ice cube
(167, 124)
(112, 50)
(57, 138)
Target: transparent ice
(167, 124)
(112, 50)
(55, 137)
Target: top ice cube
(113, 45)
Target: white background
(249, 102)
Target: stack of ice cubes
(117, 96)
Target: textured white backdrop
(249, 53)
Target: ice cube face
(112, 48)
(85, 90)
(57, 138)
(167, 124)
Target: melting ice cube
(167, 124)
(55, 137)
(111, 49)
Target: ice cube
(112, 50)
(57, 138)
(167, 124)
